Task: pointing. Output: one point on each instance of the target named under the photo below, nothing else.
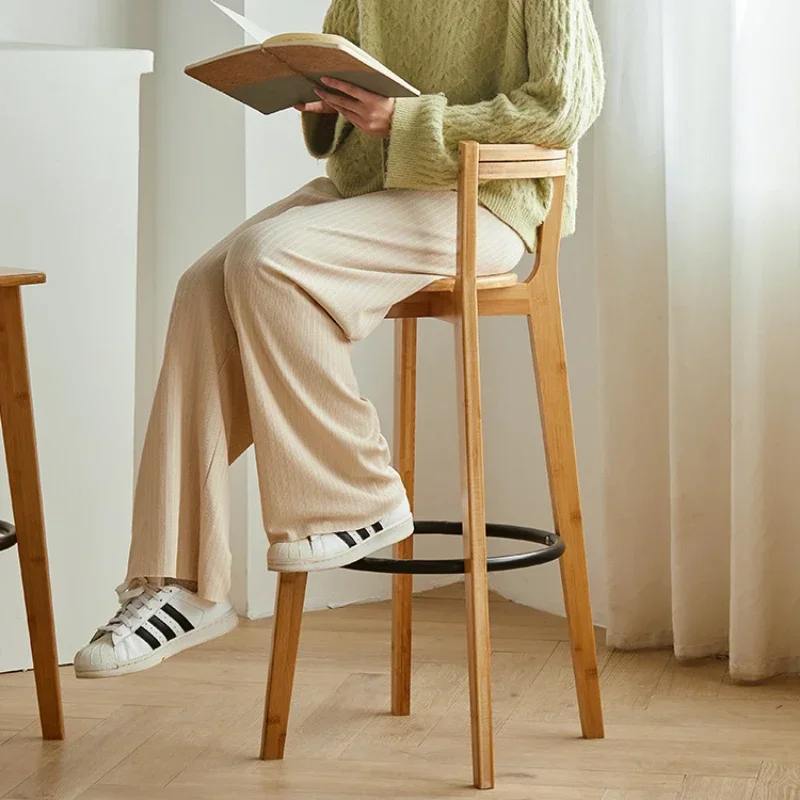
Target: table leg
(19, 436)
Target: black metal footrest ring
(8, 535)
(551, 550)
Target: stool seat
(501, 281)
(497, 294)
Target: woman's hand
(369, 112)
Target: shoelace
(135, 601)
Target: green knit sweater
(493, 71)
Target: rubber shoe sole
(391, 535)
(219, 627)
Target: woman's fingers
(339, 101)
(350, 113)
(349, 88)
(316, 107)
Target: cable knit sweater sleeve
(324, 133)
(554, 108)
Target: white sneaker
(329, 550)
(152, 624)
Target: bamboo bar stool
(19, 436)
(462, 301)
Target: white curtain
(697, 212)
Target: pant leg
(301, 288)
(200, 422)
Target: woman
(258, 349)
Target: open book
(284, 70)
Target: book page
(248, 26)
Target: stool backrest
(492, 162)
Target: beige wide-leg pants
(258, 351)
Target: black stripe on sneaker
(377, 527)
(347, 538)
(162, 626)
(148, 637)
(178, 617)
(363, 533)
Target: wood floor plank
(24, 753)
(778, 781)
(551, 696)
(7, 734)
(701, 678)
(162, 688)
(237, 749)
(328, 792)
(512, 676)
(14, 723)
(234, 750)
(638, 794)
(368, 781)
(417, 777)
(77, 767)
(329, 730)
(629, 680)
(699, 787)
(435, 687)
(627, 749)
(628, 683)
(734, 752)
(244, 673)
(714, 712)
(19, 705)
(176, 745)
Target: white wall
(102, 23)
(109, 23)
(70, 119)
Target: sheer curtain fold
(698, 246)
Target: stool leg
(549, 358)
(285, 640)
(405, 428)
(19, 435)
(465, 324)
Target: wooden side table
(19, 436)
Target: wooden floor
(189, 729)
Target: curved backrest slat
(519, 152)
(504, 170)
